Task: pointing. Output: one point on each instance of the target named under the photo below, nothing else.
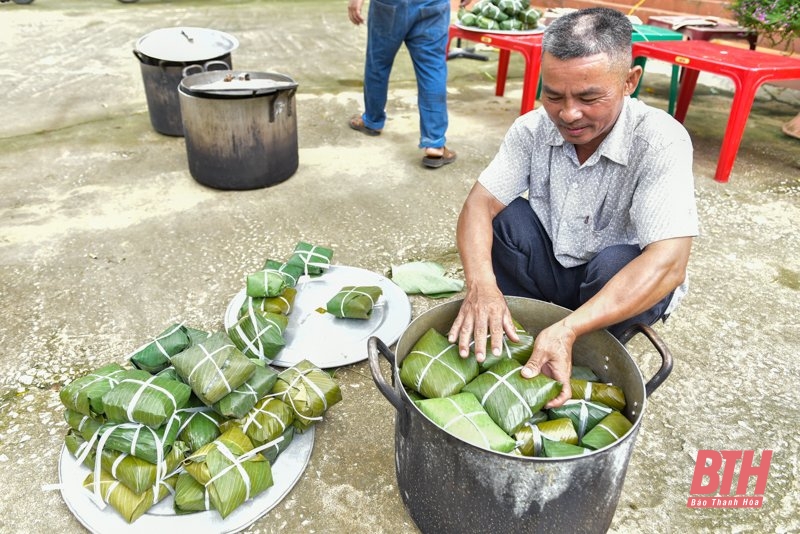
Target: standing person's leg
(602, 268)
(386, 27)
(427, 45)
(523, 260)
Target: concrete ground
(106, 238)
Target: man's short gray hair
(588, 32)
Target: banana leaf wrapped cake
(79, 448)
(196, 335)
(531, 436)
(509, 398)
(581, 372)
(190, 495)
(199, 425)
(138, 440)
(139, 475)
(607, 431)
(259, 335)
(291, 272)
(268, 282)
(230, 470)
(584, 414)
(312, 259)
(275, 447)
(268, 420)
(144, 398)
(309, 390)
(463, 416)
(354, 302)
(434, 368)
(129, 505)
(84, 425)
(241, 400)
(85, 394)
(280, 304)
(610, 395)
(155, 355)
(559, 449)
(520, 350)
(213, 368)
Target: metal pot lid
(236, 83)
(186, 43)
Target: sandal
(434, 162)
(788, 129)
(357, 123)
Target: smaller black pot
(240, 128)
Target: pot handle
(661, 348)
(375, 348)
(191, 69)
(216, 64)
(141, 57)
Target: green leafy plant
(778, 21)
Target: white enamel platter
(328, 341)
(286, 471)
(537, 30)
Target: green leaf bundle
(463, 416)
(433, 367)
(213, 368)
(509, 398)
(354, 302)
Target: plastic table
(647, 33)
(721, 30)
(749, 69)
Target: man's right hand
(354, 11)
(483, 312)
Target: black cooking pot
(449, 485)
(240, 128)
(163, 55)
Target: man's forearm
(474, 236)
(636, 288)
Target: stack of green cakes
(270, 293)
(505, 15)
(492, 406)
(195, 417)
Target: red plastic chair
(530, 46)
(749, 70)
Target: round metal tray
(286, 471)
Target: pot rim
(185, 44)
(203, 78)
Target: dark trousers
(525, 266)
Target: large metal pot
(163, 55)
(449, 485)
(240, 128)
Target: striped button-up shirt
(637, 188)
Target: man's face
(583, 97)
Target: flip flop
(357, 123)
(434, 162)
(791, 133)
